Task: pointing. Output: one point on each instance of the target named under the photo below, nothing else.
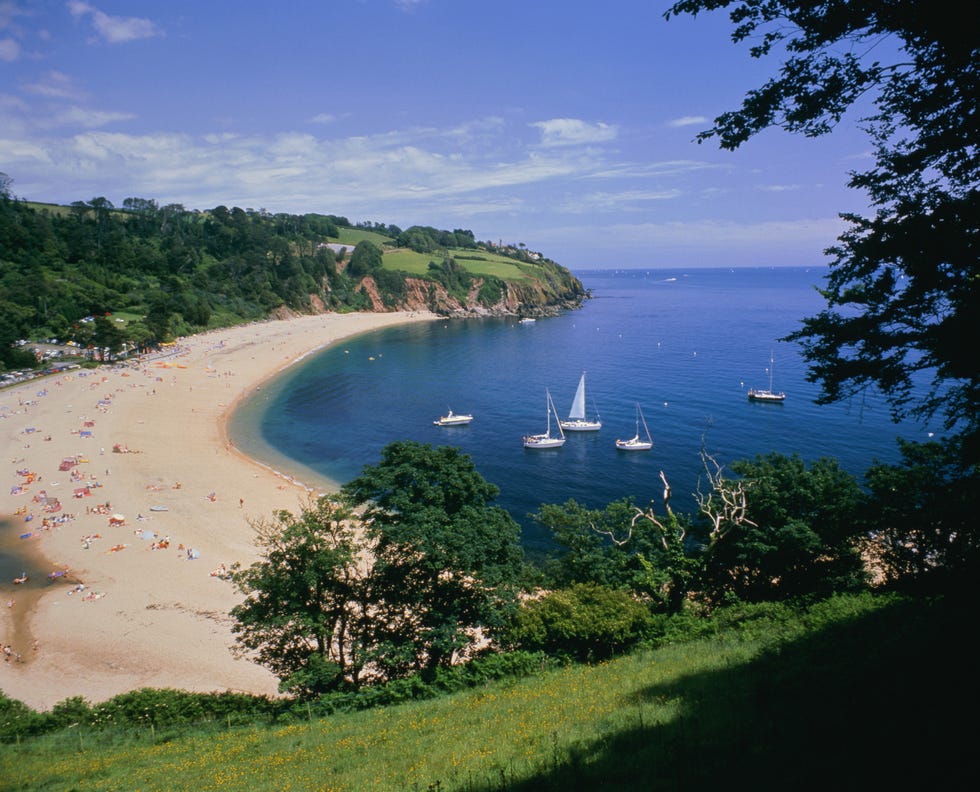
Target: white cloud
(89, 119)
(696, 243)
(9, 50)
(291, 171)
(573, 131)
(684, 121)
(323, 118)
(780, 188)
(623, 201)
(114, 29)
(9, 11)
(719, 236)
(655, 169)
(54, 84)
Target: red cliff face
(519, 299)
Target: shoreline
(131, 604)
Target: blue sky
(566, 126)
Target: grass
(857, 693)
(474, 262)
(351, 236)
(55, 209)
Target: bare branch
(725, 504)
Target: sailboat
(767, 395)
(577, 422)
(637, 443)
(546, 440)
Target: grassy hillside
(856, 692)
(64, 270)
(351, 236)
(478, 263)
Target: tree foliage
(447, 562)
(921, 518)
(585, 621)
(365, 259)
(307, 612)
(904, 286)
(182, 271)
(800, 536)
(622, 547)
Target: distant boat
(546, 440)
(577, 422)
(637, 443)
(767, 395)
(527, 320)
(452, 419)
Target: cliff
(519, 298)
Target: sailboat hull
(581, 426)
(543, 441)
(766, 396)
(634, 444)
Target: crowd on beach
(116, 478)
(42, 511)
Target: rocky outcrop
(520, 298)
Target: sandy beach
(120, 487)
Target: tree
(365, 259)
(107, 337)
(904, 286)
(306, 614)
(921, 517)
(447, 562)
(799, 534)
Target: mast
(645, 427)
(551, 409)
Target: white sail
(577, 422)
(578, 403)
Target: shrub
(584, 622)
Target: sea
(685, 345)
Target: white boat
(577, 421)
(636, 442)
(546, 440)
(452, 419)
(527, 320)
(767, 395)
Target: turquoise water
(685, 345)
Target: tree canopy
(447, 561)
(903, 286)
(407, 570)
(306, 615)
(175, 271)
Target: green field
(770, 698)
(475, 262)
(351, 236)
